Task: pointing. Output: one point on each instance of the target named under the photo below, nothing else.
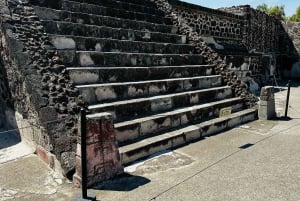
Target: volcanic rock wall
(293, 30)
(263, 33)
(41, 91)
(4, 95)
(34, 81)
(176, 10)
(290, 64)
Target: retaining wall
(35, 83)
(40, 88)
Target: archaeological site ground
(152, 75)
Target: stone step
(64, 42)
(145, 3)
(123, 5)
(133, 108)
(83, 18)
(57, 4)
(93, 75)
(77, 29)
(97, 93)
(138, 129)
(113, 12)
(180, 137)
(106, 59)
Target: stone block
(178, 140)
(105, 93)
(267, 93)
(88, 94)
(249, 117)
(155, 89)
(67, 160)
(148, 127)
(103, 160)
(194, 99)
(63, 43)
(175, 120)
(83, 77)
(77, 180)
(266, 108)
(46, 156)
(128, 133)
(214, 128)
(47, 114)
(192, 134)
(234, 122)
(161, 104)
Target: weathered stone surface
(137, 107)
(108, 92)
(66, 163)
(138, 128)
(178, 12)
(93, 75)
(267, 103)
(77, 29)
(103, 160)
(92, 19)
(91, 37)
(114, 11)
(39, 87)
(267, 93)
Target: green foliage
(296, 16)
(262, 7)
(277, 11)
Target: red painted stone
(45, 156)
(103, 159)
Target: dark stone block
(47, 114)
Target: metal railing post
(84, 195)
(83, 154)
(287, 99)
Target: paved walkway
(257, 161)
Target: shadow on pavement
(126, 182)
(9, 138)
(284, 118)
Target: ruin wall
(45, 100)
(293, 30)
(290, 64)
(35, 83)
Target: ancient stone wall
(290, 64)
(246, 30)
(246, 66)
(226, 29)
(210, 56)
(35, 83)
(293, 30)
(40, 87)
(227, 34)
(263, 32)
(4, 95)
(209, 22)
(3, 79)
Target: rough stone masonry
(36, 84)
(39, 85)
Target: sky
(289, 5)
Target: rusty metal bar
(287, 99)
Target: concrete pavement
(257, 161)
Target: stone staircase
(127, 59)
